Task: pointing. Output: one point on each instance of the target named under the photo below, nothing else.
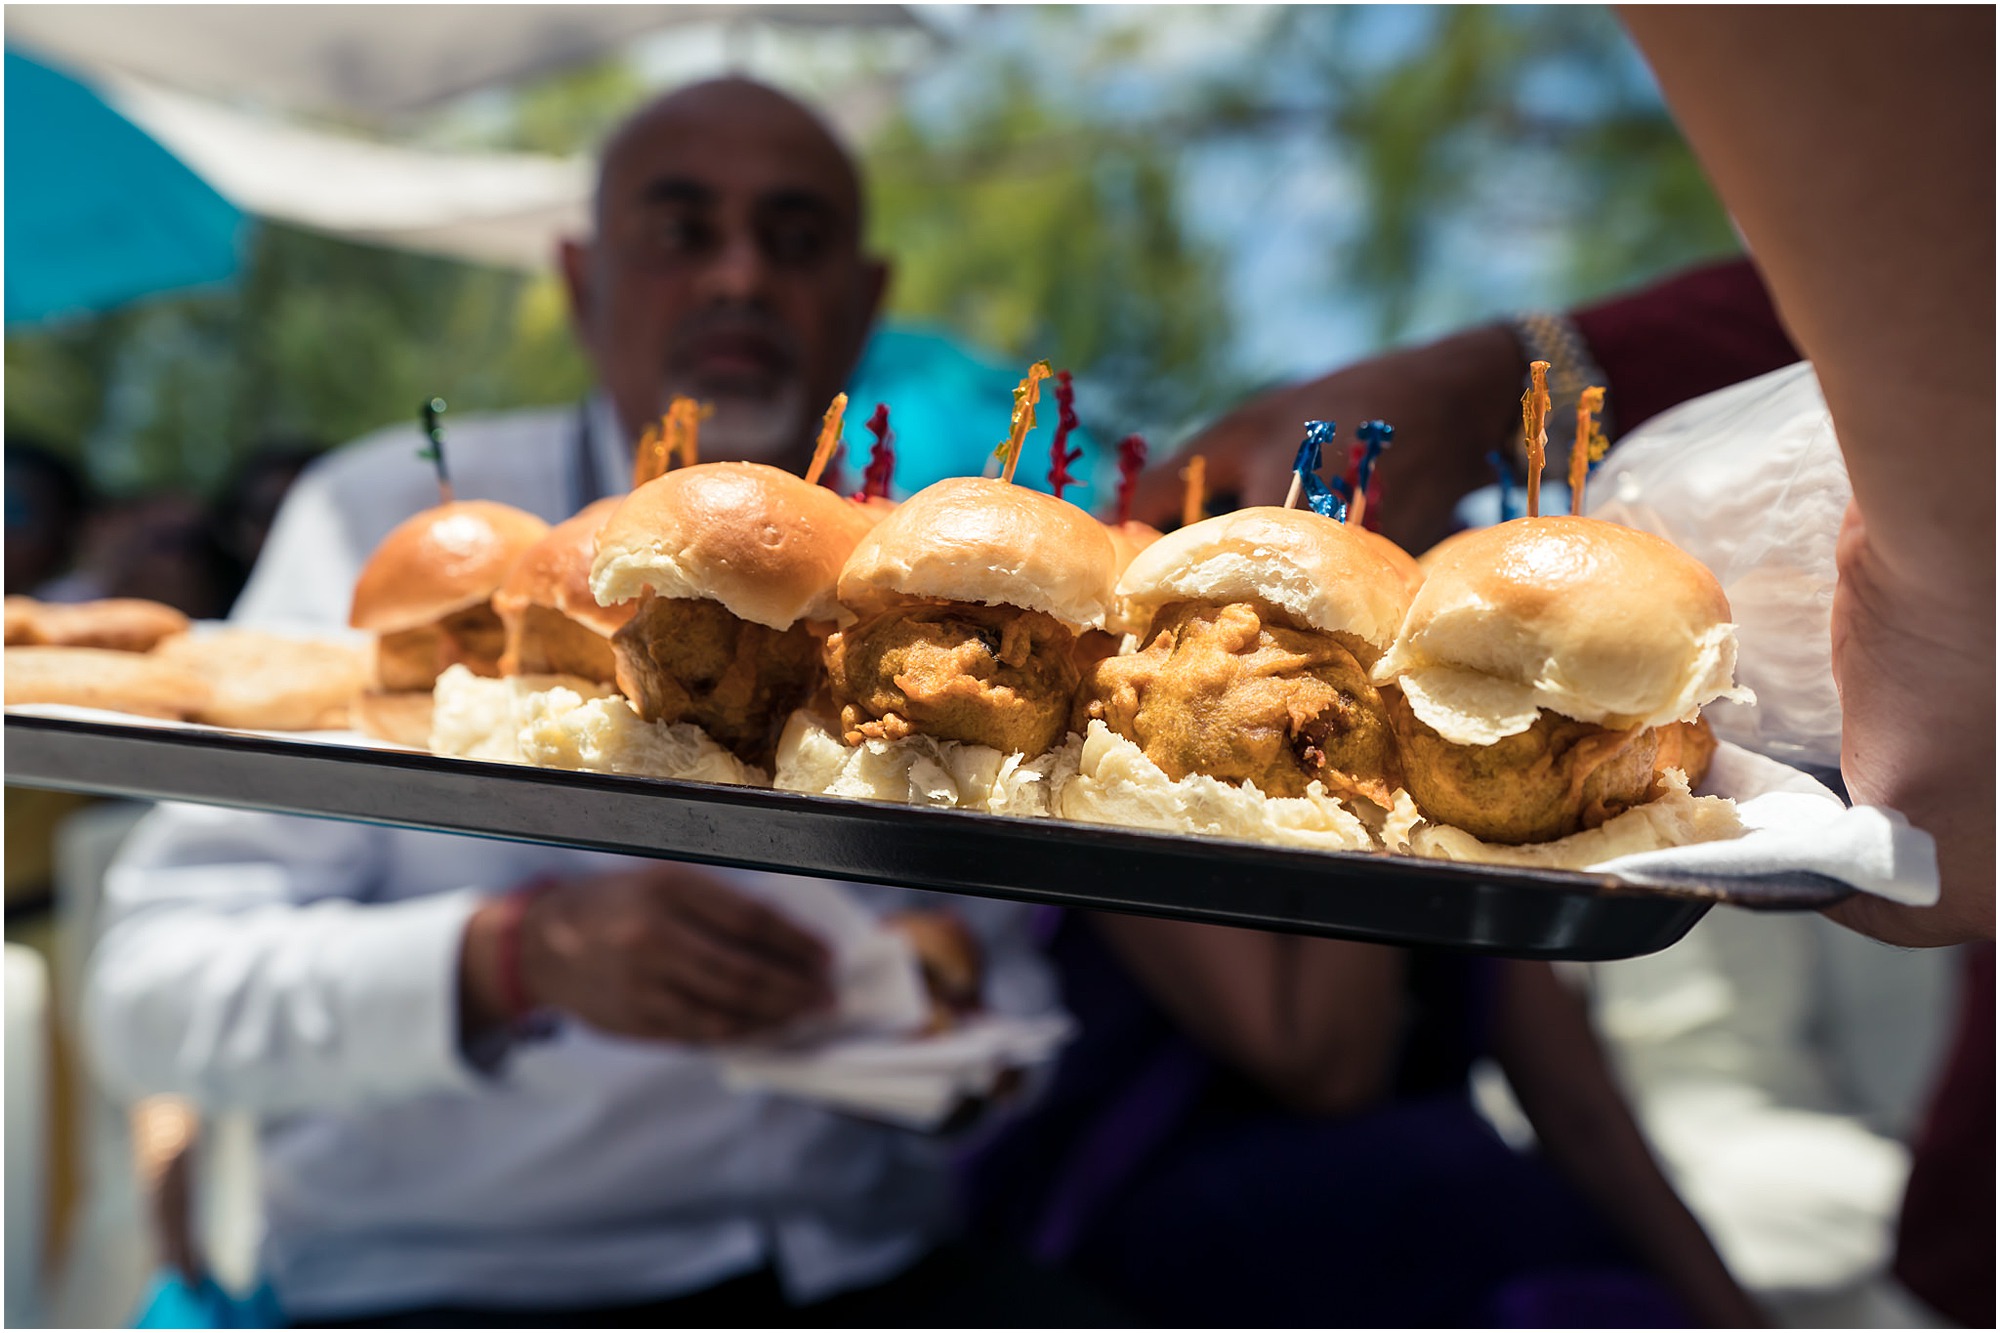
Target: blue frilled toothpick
(1306, 464)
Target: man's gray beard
(756, 430)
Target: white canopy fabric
(221, 87)
(369, 60)
(496, 208)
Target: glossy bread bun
(440, 561)
(1595, 621)
(764, 543)
(984, 540)
(1128, 539)
(1405, 564)
(1320, 573)
(555, 573)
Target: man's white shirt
(306, 971)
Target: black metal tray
(1353, 895)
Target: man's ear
(573, 258)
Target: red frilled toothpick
(1060, 457)
(1131, 462)
(881, 458)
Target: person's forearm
(1558, 1071)
(1855, 149)
(1451, 401)
(1315, 1021)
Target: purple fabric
(1586, 1298)
(1115, 1146)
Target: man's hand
(1450, 402)
(663, 953)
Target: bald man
(425, 1159)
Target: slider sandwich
(555, 635)
(427, 596)
(1545, 691)
(954, 682)
(728, 570)
(1245, 709)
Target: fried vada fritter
(548, 643)
(1558, 777)
(406, 660)
(956, 671)
(693, 660)
(1239, 695)
(1688, 746)
(413, 659)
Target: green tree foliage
(1036, 234)
(1507, 120)
(1034, 221)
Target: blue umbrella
(98, 213)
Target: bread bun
(123, 682)
(1405, 564)
(555, 573)
(1128, 539)
(119, 624)
(266, 682)
(1597, 622)
(440, 561)
(401, 718)
(876, 507)
(1430, 559)
(1321, 574)
(984, 540)
(764, 543)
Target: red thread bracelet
(514, 996)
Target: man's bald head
(727, 266)
(725, 105)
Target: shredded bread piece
(562, 729)
(1115, 783)
(919, 770)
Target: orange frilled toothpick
(676, 437)
(1535, 430)
(829, 438)
(1026, 395)
(1590, 444)
(1194, 496)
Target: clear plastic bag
(1749, 480)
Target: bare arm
(1543, 1041)
(1315, 1021)
(1451, 402)
(1855, 149)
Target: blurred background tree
(1057, 182)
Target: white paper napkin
(915, 1082)
(1796, 825)
(878, 987)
